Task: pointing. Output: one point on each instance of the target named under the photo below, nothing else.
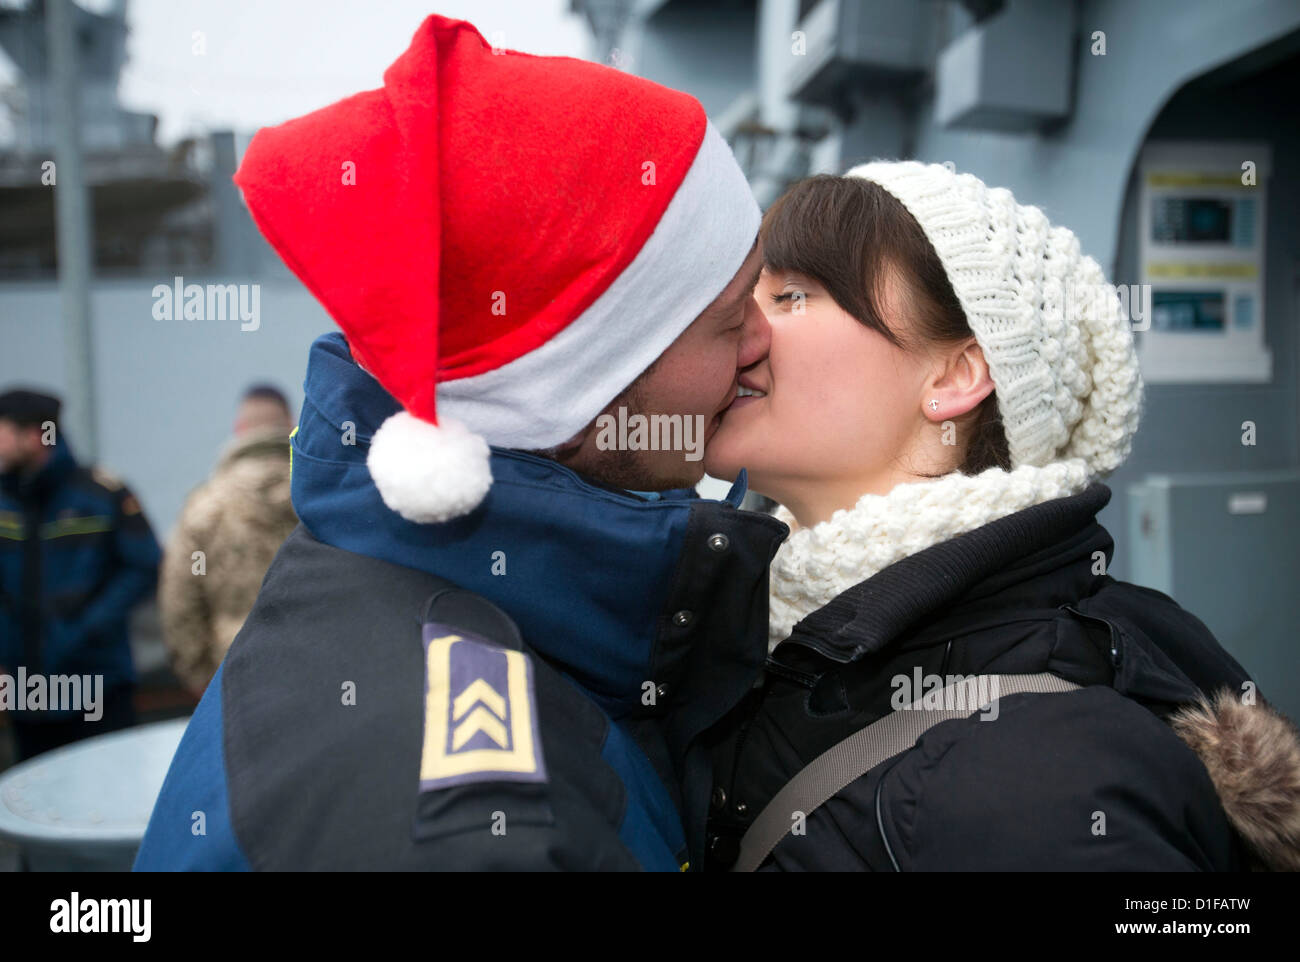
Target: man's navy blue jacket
(365, 718)
(76, 553)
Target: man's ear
(960, 381)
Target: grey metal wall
(705, 50)
(1197, 427)
(1079, 173)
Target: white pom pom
(429, 472)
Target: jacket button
(661, 692)
(719, 542)
(719, 799)
(741, 808)
(683, 618)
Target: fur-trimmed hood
(1252, 752)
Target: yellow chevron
(479, 720)
(479, 690)
(436, 762)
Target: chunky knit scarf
(816, 564)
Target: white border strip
(557, 389)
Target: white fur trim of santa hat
(555, 390)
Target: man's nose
(756, 339)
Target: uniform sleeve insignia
(480, 712)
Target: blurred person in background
(229, 530)
(76, 554)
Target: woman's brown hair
(848, 233)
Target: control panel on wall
(1202, 259)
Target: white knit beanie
(1057, 340)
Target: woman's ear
(960, 382)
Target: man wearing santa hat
(481, 649)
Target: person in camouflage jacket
(228, 532)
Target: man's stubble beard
(634, 470)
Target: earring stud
(934, 404)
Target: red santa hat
(507, 241)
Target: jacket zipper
(1116, 654)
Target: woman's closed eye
(787, 296)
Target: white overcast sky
(269, 60)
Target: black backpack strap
(866, 748)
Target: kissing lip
(739, 402)
(751, 384)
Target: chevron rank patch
(480, 713)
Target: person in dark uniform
(76, 553)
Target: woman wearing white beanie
(948, 381)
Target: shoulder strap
(866, 748)
(468, 611)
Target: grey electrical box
(1011, 72)
(1227, 548)
(841, 44)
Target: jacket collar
(866, 617)
(819, 562)
(607, 585)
